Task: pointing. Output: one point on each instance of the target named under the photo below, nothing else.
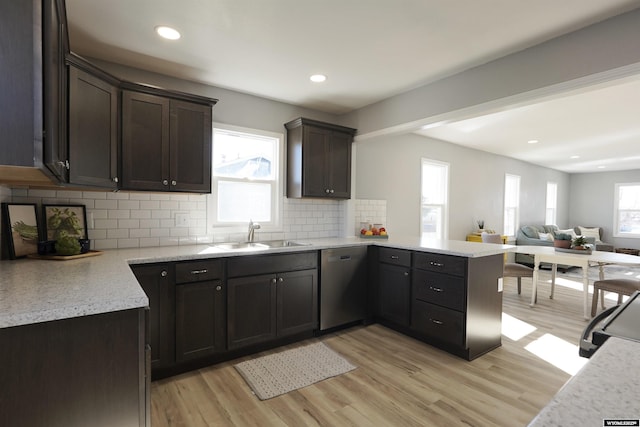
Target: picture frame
(59, 220)
(21, 229)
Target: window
(511, 204)
(627, 210)
(246, 178)
(434, 204)
(552, 203)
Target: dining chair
(509, 269)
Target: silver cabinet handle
(435, 289)
(163, 273)
(174, 182)
(280, 279)
(394, 257)
(332, 191)
(273, 280)
(204, 270)
(165, 182)
(115, 179)
(436, 264)
(406, 273)
(437, 322)
(326, 190)
(218, 288)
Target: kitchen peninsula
(100, 300)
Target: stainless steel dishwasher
(343, 292)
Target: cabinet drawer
(198, 271)
(441, 263)
(395, 256)
(438, 322)
(265, 264)
(441, 289)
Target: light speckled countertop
(608, 387)
(33, 291)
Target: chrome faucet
(252, 228)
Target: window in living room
(552, 202)
(627, 210)
(246, 178)
(511, 204)
(435, 199)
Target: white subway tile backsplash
(149, 223)
(128, 204)
(119, 195)
(140, 219)
(139, 232)
(106, 204)
(150, 204)
(97, 195)
(118, 233)
(149, 242)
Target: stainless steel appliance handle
(587, 348)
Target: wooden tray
(574, 251)
(65, 257)
(362, 236)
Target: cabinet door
(54, 85)
(200, 319)
(190, 145)
(21, 118)
(145, 142)
(297, 302)
(314, 160)
(93, 130)
(251, 310)
(155, 282)
(394, 294)
(77, 372)
(339, 165)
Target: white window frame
(511, 220)
(551, 212)
(617, 211)
(443, 232)
(277, 192)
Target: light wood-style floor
(399, 381)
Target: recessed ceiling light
(532, 141)
(574, 157)
(318, 78)
(167, 32)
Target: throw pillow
(570, 231)
(530, 232)
(546, 236)
(591, 232)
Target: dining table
(583, 259)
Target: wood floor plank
(399, 381)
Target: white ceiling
(370, 50)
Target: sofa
(542, 235)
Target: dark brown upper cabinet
(318, 159)
(55, 46)
(166, 140)
(33, 84)
(93, 125)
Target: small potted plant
(562, 240)
(579, 243)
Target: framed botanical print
(65, 220)
(21, 228)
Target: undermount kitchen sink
(257, 246)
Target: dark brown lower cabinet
(155, 280)
(83, 371)
(265, 307)
(394, 294)
(200, 320)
